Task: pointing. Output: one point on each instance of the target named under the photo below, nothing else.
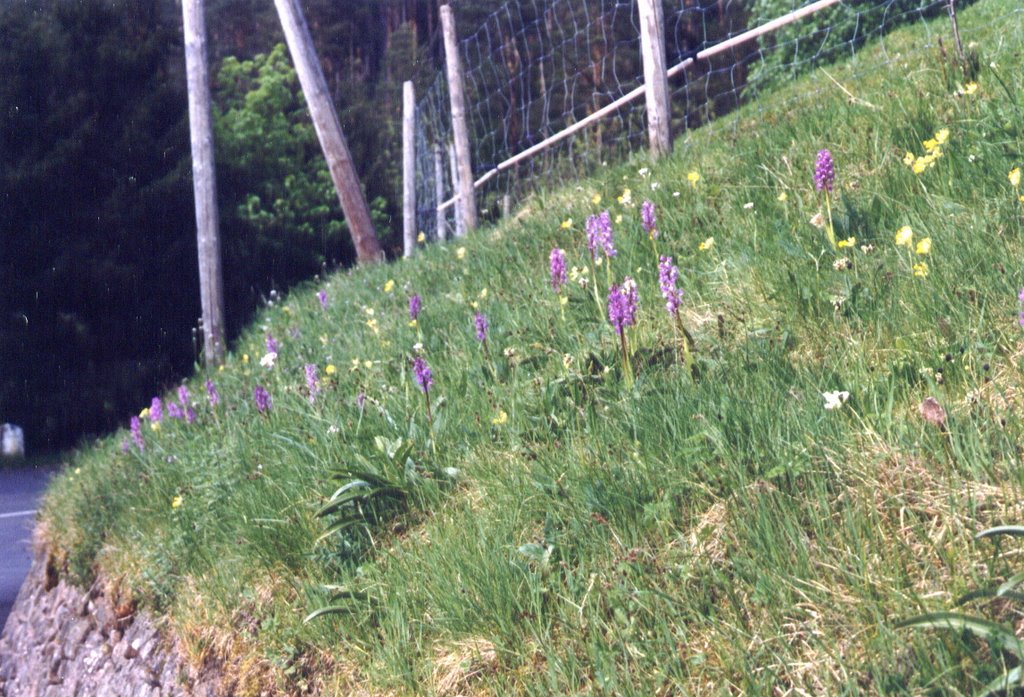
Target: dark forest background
(98, 271)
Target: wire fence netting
(536, 67)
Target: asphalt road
(19, 494)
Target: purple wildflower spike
(156, 410)
(622, 305)
(136, 429)
(415, 305)
(312, 381)
(421, 371)
(262, 399)
(211, 392)
(599, 234)
(271, 344)
(480, 321)
(668, 274)
(558, 274)
(322, 297)
(649, 219)
(824, 171)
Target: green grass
(706, 531)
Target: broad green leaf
(989, 631)
(1012, 530)
(1014, 678)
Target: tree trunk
(460, 129)
(408, 169)
(204, 182)
(328, 130)
(652, 45)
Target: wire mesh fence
(535, 67)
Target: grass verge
(563, 521)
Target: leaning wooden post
(408, 168)
(652, 45)
(328, 130)
(457, 94)
(441, 223)
(460, 220)
(964, 64)
(204, 182)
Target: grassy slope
(718, 534)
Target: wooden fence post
(204, 182)
(408, 168)
(460, 220)
(328, 130)
(457, 94)
(652, 45)
(442, 226)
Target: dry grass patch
(459, 666)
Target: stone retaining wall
(60, 641)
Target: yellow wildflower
(372, 324)
(596, 199)
(1014, 177)
(908, 159)
(921, 269)
(930, 144)
(848, 242)
(155, 425)
(355, 365)
(369, 311)
(245, 358)
(970, 88)
(389, 285)
(941, 136)
(562, 300)
(618, 219)
(330, 369)
(501, 418)
(566, 224)
(925, 161)
(460, 253)
(483, 294)
(626, 198)
(421, 238)
(782, 196)
(144, 414)
(177, 501)
(367, 364)
(693, 177)
(904, 236)
(706, 244)
(924, 245)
